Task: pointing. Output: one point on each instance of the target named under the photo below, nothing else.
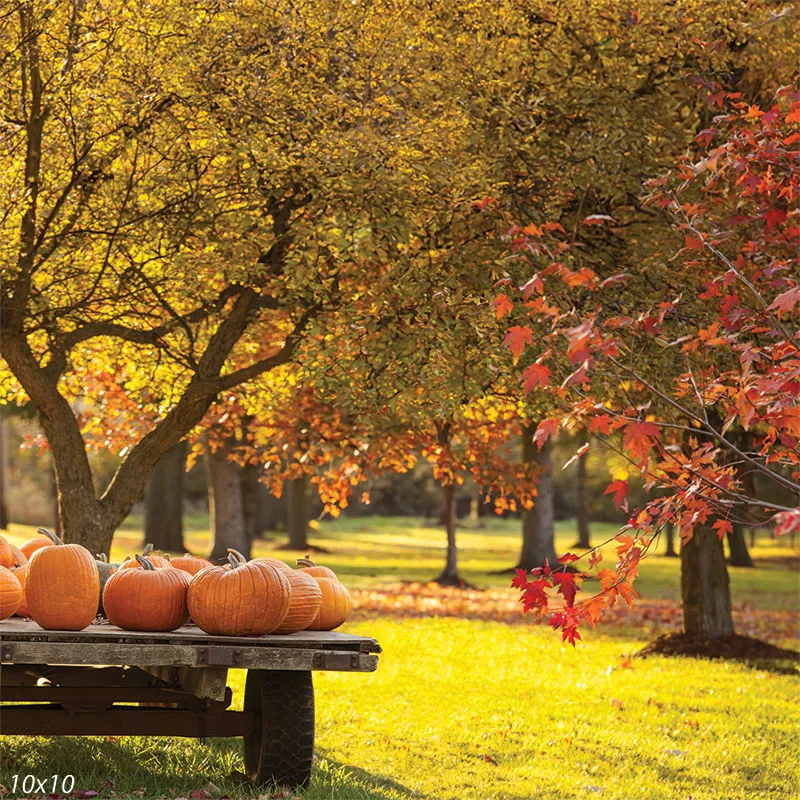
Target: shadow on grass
(369, 780)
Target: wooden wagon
(179, 681)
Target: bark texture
(297, 512)
(705, 587)
(449, 575)
(225, 505)
(163, 501)
(739, 555)
(538, 523)
(669, 530)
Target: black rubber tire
(281, 748)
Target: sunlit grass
(465, 709)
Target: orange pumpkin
(304, 604)
(21, 573)
(335, 606)
(62, 586)
(189, 563)
(10, 593)
(32, 545)
(316, 571)
(147, 599)
(239, 599)
(276, 562)
(159, 562)
(11, 555)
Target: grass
(461, 709)
(471, 709)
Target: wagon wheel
(281, 746)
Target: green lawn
(464, 709)
(470, 709)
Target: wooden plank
(53, 721)
(145, 655)
(99, 697)
(13, 630)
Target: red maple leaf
(601, 423)
(785, 303)
(535, 375)
(516, 339)
(544, 430)
(502, 306)
(722, 526)
(639, 438)
(567, 587)
(620, 491)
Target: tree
(682, 418)
(165, 240)
(163, 501)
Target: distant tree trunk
(271, 508)
(251, 501)
(669, 529)
(297, 512)
(4, 517)
(538, 523)
(163, 501)
(225, 504)
(449, 575)
(738, 554)
(57, 527)
(752, 536)
(705, 588)
(584, 540)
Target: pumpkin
(11, 555)
(239, 599)
(62, 586)
(316, 571)
(32, 545)
(10, 593)
(105, 571)
(20, 573)
(276, 562)
(160, 562)
(189, 563)
(304, 603)
(335, 605)
(147, 599)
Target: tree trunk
(163, 501)
(739, 555)
(538, 523)
(449, 575)
(584, 540)
(225, 504)
(669, 529)
(705, 588)
(251, 501)
(297, 513)
(4, 515)
(271, 508)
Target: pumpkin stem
(233, 560)
(305, 562)
(148, 548)
(102, 557)
(145, 563)
(237, 555)
(50, 535)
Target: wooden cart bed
(179, 680)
